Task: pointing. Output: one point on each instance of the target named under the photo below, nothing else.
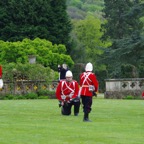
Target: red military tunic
(143, 94)
(0, 71)
(87, 79)
(67, 91)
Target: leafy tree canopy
(46, 53)
(36, 72)
(125, 29)
(88, 34)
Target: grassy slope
(40, 122)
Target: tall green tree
(46, 19)
(24, 19)
(60, 27)
(124, 29)
(117, 25)
(88, 34)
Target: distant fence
(27, 86)
(120, 88)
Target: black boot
(75, 114)
(86, 117)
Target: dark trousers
(66, 108)
(87, 103)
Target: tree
(46, 19)
(124, 29)
(46, 54)
(60, 27)
(88, 34)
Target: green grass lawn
(40, 122)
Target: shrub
(42, 92)
(129, 97)
(31, 96)
(8, 97)
(51, 94)
(43, 97)
(19, 97)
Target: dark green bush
(31, 96)
(50, 94)
(129, 71)
(43, 97)
(19, 97)
(129, 97)
(8, 97)
(42, 92)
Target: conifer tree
(124, 29)
(46, 19)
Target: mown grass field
(40, 122)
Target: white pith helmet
(89, 67)
(69, 74)
(1, 83)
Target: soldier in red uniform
(143, 94)
(0, 71)
(1, 81)
(89, 85)
(67, 94)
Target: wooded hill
(78, 9)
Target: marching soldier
(0, 71)
(1, 81)
(89, 85)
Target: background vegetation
(109, 34)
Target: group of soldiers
(69, 91)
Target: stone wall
(122, 88)
(27, 86)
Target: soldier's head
(69, 76)
(64, 66)
(89, 67)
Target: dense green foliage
(60, 24)
(117, 25)
(90, 47)
(39, 94)
(46, 19)
(125, 29)
(78, 9)
(128, 71)
(70, 31)
(13, 71)
(46, 53)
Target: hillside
(78, 9)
